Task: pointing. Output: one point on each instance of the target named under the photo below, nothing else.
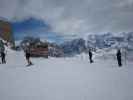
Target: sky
(68, 18)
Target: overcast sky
(73, 17)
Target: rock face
(73, 47)
(6, 32)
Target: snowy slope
(64, 79)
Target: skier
(90, 56)
(2, 52)
(118, 54)
(27, 55)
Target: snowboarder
(2, 52)
(27, 55)
(90, 56)
(118, 54)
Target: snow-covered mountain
(73, 47)
(122, 40)
(55, 50)
(103, 42)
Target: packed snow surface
(65, 79)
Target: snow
(64, 79)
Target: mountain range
(94, 42)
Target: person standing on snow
(28, 55)
(90, 56)
(118, 55)
(2, 52)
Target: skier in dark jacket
(118, 54)
(2, 52)
(27, 55)
(90, 56)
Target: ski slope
(65, 79)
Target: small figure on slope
(90, 56)
(2, 52)
(118, 55)
(28, 55)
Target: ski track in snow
(64, 79)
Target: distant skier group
(28, 55)
(118, 56)
(3, 53)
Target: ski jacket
(2, 48)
